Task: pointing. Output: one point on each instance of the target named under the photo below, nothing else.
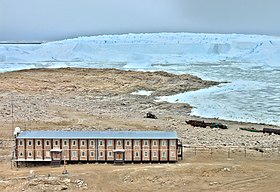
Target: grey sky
(60, 19)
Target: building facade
(97, 146)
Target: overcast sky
(60, 19)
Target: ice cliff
(148, 49)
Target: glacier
(158, 48)
(250, 63)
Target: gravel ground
(91, 99)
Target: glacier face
(251, 63)
(150, 48)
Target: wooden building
(97, 146)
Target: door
(119, 156)
(56, 155)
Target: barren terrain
(101, 99)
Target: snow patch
(142, 92)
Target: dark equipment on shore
(264, 130)
(250, 129)
(269, 130)
(151, 116)
(196, 123)
(218, 125)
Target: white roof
(118, 150)
(55, 150)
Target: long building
(97, 146)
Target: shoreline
(159, 97)
(101, 99)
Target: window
(110, 142)
(38, 153)
(145, 142)
(127, 143)
(56, 143)
(163, 143)
(172, 154)
(101, 153)
(74, 143)
(137, 143)
(110, 154)
(92, 142)
(146, 154)
(155, 143)
(83, 143)
(155, 154)
(136, 154)
(100, 142)
(38, 143)
(172, 143)
(74, 154)
(47, 143)
(83, 154)
(92, 153)
(163, 154)
(21, 143)
(65, 143)
(21, 154)
(29, 142)
(29, 154)
(119, 143)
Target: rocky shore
(102, 99)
